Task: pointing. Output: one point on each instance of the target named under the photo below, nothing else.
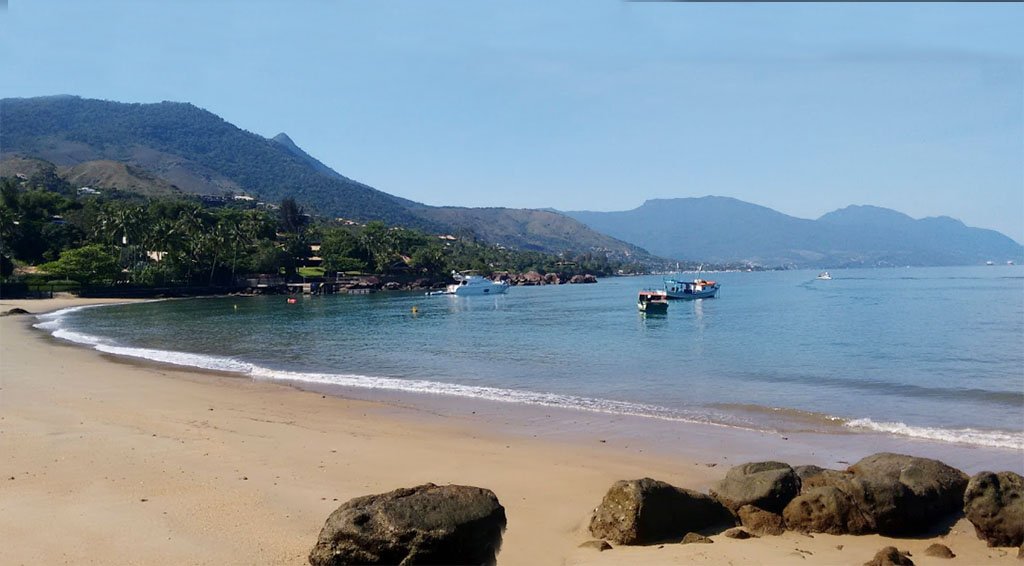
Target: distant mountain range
(172, 147)
(725, 230)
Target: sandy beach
(107, 461)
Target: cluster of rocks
(534, 278)
(888, 494)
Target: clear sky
(590, 104)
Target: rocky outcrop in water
(427, 524)
(646, 510)
(994, 504)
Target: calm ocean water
(933, 353)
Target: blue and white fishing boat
(690, 290)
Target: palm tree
(191, 226)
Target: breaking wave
(993, 438)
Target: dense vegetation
(129, 239)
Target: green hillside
(69, 130)
(177, 145)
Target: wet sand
(130, 463)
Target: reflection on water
(456, 304)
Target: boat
(467, 284)
(652, 301)
(825, 276)
(690, 290)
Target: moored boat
(650, 301)
(825, 276)
(468, 284)
(690, 290)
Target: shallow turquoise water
(933, 353)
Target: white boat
(466, 285)
(825, 276)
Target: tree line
(121, 238)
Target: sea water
(931, 353)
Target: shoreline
(138, 462)
(653, 434)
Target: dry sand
(108, 462)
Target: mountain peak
(861, 213)
(283, 139)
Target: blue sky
(592, 104)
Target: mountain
(188, 147)
(153, 148)
(723, 230)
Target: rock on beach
(427, 524)
(994, 504)
(644, 511)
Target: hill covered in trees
(183, 147)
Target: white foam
(486, 393)
(993, 438)
(71, 336)
(216, 363)
(53, 323)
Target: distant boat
(825, 276)
(690, 290)
(990, 262)
(1009, 262)
(653, 302)
(466, 284)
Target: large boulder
(905, 494)
(427, 524)
(994, 503)
(768, 485)
(891, 494)
(645, 511)
(825, 509)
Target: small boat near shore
(825, 276)
(652, 302)
(691, 290)
(469, 284)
